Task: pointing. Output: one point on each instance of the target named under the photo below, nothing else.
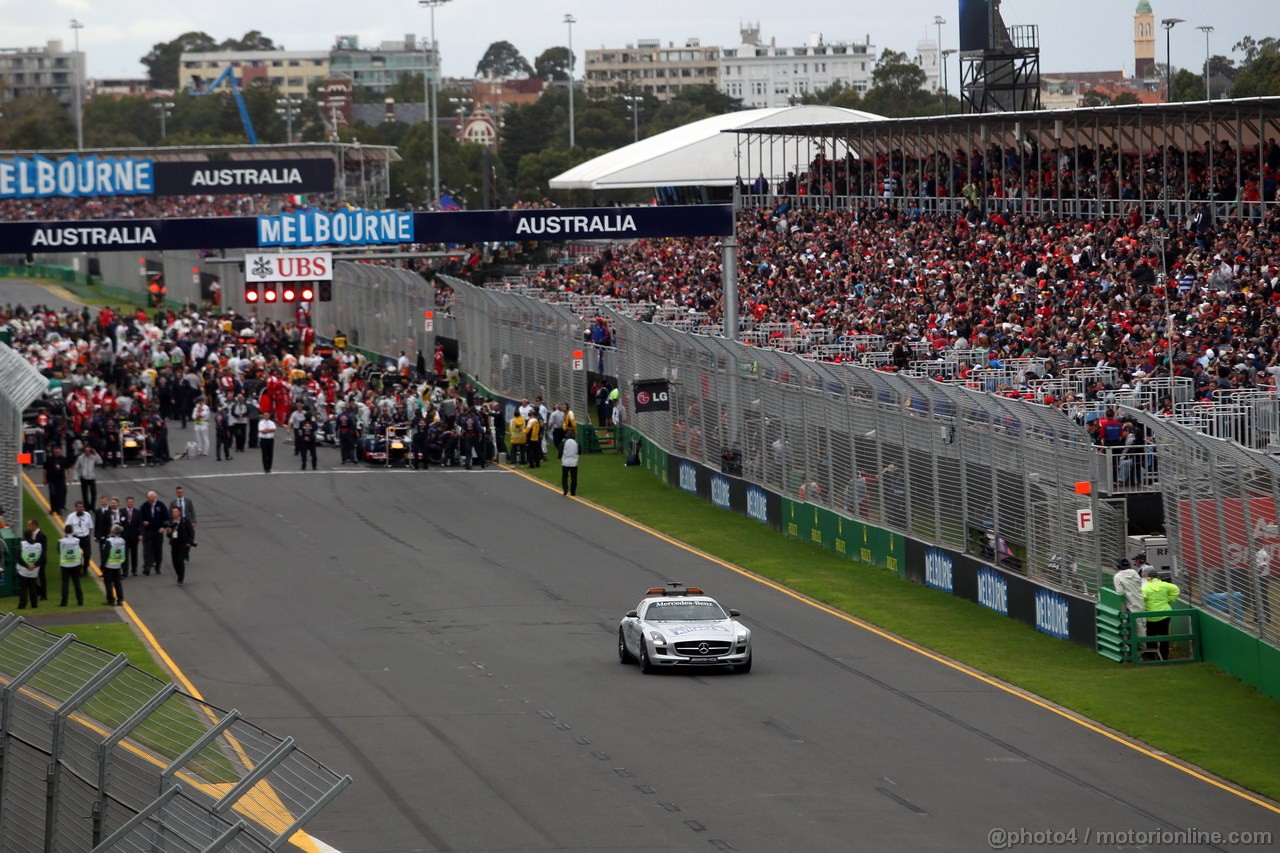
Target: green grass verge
(172, 729)
(1180, 710)
(117, 638)
(94, 597)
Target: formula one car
(681, 626)
(399, 446)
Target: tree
(35, 124)
(162, 61)
(1259, 77)
(836, 95)
(252, 40)
(1187, 86)
(126, 122)
(552, 65)
(502, 61)
(897, 88)
(709, 98)
(1124, 99)
(1094, 98)
(1253, 49)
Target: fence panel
(944, 463)
(21, 384)
(91, 746)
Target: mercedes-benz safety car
(681, 626)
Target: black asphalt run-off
(448, 639)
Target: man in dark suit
(102, 521)
(155, 517)
(179, 534)
(188, 509)
(131, 522)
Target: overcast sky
(1084, 35)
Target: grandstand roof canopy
(349, 151)
(1258, 120)
(703, 153)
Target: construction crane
(228, 75)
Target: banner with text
(652, 395)
(265, 177)
(313, 228)
(291, 266)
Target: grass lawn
(94, 597)
(1185, 720)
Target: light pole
(635, 101)
(946, 89)
(571, 20)
(1168, 24)
(76, 27)
(1206, 29)
(288, 108)
(938, 21)
(163, 108)
(435, 98)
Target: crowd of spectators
(1079, 293)
(1216, 172)
(138, 207)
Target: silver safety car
(679, 626)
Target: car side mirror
(631, 614)
(734, 613)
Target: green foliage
(552, 64)
(897, 89)
(838, 94)
(502, 60)
(709, 98)
(1187, 86)
(1260, 77)
(36, 123)
(1094, 98)
(537, 169)
(162, 61)
(1123, 99)
(128, 122)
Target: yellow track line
(300, 837)
(920, 650)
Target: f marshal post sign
(293, 266)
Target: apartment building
(380, 68)
(32, 72)
(290, 71)
(765, 75)
(649, 68)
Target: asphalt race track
(447, 638)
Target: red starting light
(289, 294)
(251, 294)
(307, 293)
(269, 295)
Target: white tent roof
(704, 153)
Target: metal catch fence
(1220, 505)
(21, 384)
(98, 755)
(943, 463)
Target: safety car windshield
(684, 611)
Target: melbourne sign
(344, 228)
(652, 395)
(292, 266)
(75, 176)
(313, 228)
(91, 176)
